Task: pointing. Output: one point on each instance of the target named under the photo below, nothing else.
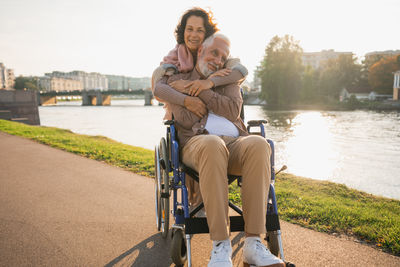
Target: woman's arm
(237, 75)
(168, 94)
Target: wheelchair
(170, 182)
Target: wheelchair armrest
(169, 122)
(257, 123)
(253, 123)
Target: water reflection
(310, 148)
(358, 148)
(280, 118)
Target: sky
(128, 37)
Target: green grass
(136, 159)
(318, 205)
(335, 208)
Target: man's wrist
(185, 101)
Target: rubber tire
(178, 248)
(157, 187)
(164, 188)
(273, 244)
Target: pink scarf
(181, 57)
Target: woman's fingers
(189, 84)
(193, 90)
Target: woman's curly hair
(209, 25)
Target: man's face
(213, 57)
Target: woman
(194, 27)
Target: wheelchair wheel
(164, 176)
(157, 187)
(178, 248)
(273, 244)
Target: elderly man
(214, 142)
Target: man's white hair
(209, 41)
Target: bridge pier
(148, 98)
(95, 98)
(47, 100)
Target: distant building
(57, 84)
(117, 82)
(376, 55)
(396, 85)
(90, 81)
(371, 96)
(7, 77)
(315, 59)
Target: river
(358, 148)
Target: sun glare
(311, 141)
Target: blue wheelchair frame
(185, 221)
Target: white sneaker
(256, 254)
(221, 254)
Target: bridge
(93, 97)
(103, 98)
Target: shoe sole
(245, 264)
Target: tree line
(285, 81)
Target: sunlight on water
(358, 148)
(311, 142)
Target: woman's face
(194, 33)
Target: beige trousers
(214, 157)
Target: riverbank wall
(19, 106)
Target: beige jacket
(224, 100)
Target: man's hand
(180, 86)
(195, 87)
(195, 105)
(221, 72)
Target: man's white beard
(204, 68)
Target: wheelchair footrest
(200, 226)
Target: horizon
(130, 39)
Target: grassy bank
(334, 208)
(318, 205)
(136, 159)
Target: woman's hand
(180, 86)
(195, 87)
(221, 72)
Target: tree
(280, 71)
(309, 85)
(22, 83)
(380, 75)
(339, 73)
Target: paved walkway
(60, 209)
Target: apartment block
(116, 82)
(59, 84)
(7, 77)
(316, 59)
(376, 55)
(90, 81)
